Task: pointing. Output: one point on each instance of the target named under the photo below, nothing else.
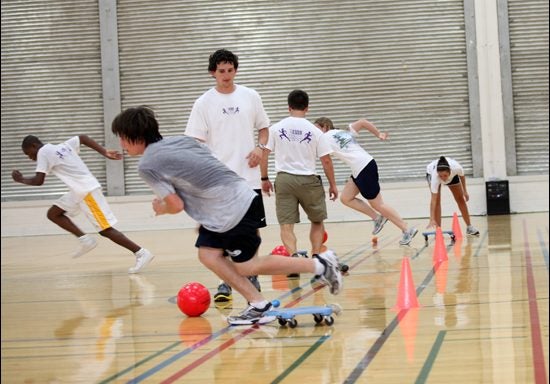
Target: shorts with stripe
(94, 205)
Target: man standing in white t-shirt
(226, 118)
(297, 146)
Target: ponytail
(443, 164)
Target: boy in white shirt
(84, 193)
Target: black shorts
(242, 241)
(259, 210)
(367, 181)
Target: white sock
(319, 267)
(84, 237)
(140, 252)
(260, 304)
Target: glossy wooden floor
(483, 315)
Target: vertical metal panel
(400, 64)
(528, 21)
(51, 85)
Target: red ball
(325, 237)
(193, 299)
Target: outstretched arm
(367, 125)
(91, 143)
(37, 179)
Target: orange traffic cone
(440, 251)
(406, 296)
(456, 227)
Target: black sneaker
(224, 293)
(251, 315)
(332, 275)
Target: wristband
(264, 178)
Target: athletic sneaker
(224, 294)
(251, 315)
(379, 224)
(143, 258)
(472, 231)
(255, 282)
(87, 243)
(332, 275)
(408, 236)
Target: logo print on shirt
(343, 139)
(61, 153)
(230, 110)
(307, 138)
(283, 135)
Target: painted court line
(536, 338)
(423, 376)
(210, 338)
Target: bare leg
(388, 212)
(226, 270)
(348, 197)
(316, 237)
(289, 238)
(458, 194)
(119, 238)
(276, 265)
(59, 217)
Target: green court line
(300, 360)
(423, 375)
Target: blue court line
(543, 247)
(213, 336)
(423, 375)
(300, 360)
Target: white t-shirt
(296, 144)
(431, 169)
(63, 161)
(227, 124)
(344, 146)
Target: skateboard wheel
(329, 320)
(318, 318)
(344, 268)
(292, 323)
(282, 322)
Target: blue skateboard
(432, 233)
(288, 315)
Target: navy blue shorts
(242, 241)
(367, 181)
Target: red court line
(536, 338)
(230, 342)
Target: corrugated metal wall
(528, 20)
(400, 64)
(51, 85)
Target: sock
(84, 237)
(319, 267)
(140, 252)
(260, 304)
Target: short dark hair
(222, 56)
(29, 141)
(298, 100)
(137, 124)
(443, 164)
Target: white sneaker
(379, 224)
(472, 231)
(143, 257)
(87, 243)
(408, 236)
(332, 275)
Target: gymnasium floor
(482, 314)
